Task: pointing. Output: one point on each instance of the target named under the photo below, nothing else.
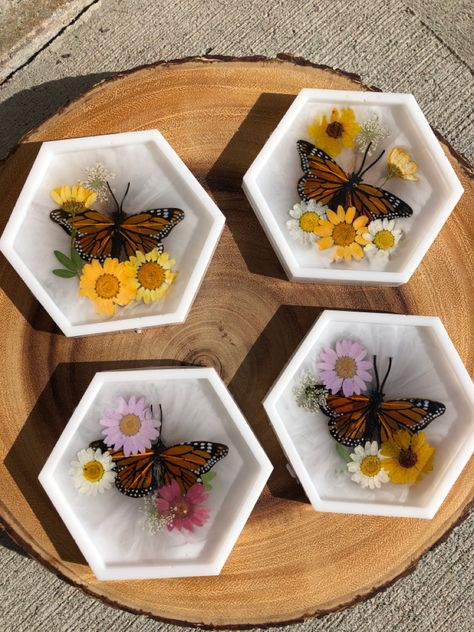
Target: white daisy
(92, 472)
(383, 237)
(366, 466)
(305, 219)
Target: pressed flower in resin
(345, 368)
(335, 134)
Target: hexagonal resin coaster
(274, 185)
(425, 366)
(158, 180)
(123, 537)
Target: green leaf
(343, 452)
(77, 261)
(206, 480)
(64, 274)
(67, 263)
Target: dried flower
(130, 425)
(107, 286)
(92, 472)
(153, 521)
(150, 275)
(400, 165)
(306, 217)
(382, 237)
(367, 466)
(308, 394)
(73, 199)
(408, 457)
(186, 509)
(343, 231)
(372, 132)
(345, 368)
(338, 133)
(96, 180)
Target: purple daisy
(130, 425)
(345, 368)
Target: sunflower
(344, 231)
(400, 165)
(408, 457)
(73, 199)
(338, 133)
(150, 274)
(107, 285)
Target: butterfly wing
(407, 414)
(323, 178)
(135, 473)
(186, 462)
(348, 418)
(94, 232)
(144, 231)
(376, 203)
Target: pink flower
(186, 509)
(345, 367)
(130, 426)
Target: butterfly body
(140, 474)
(360, 418)
(327, 183)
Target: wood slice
(290, 561)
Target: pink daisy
(345, 368)
(185, 509)
(130, 426)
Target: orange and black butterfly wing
(407, 414)
(144, 231)
(377, 203)
(323, 180)
(94, 232)
(348, 418)
(186, 462)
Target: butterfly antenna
(371, 165)
(112, 194)
(374, 358)
(386, 374)
(123, 199)
(364, 158)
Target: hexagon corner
(158, 179)
(425, 365)
(270, 185)
(108, 527)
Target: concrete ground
(52, 50)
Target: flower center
(346, 367)
(335, 129)
(72, 206)
(370, 466)
(93, 471)
(407, 458)
(395, 171)
(343, 234)
(309, 221)
(384, 240)
(180, 508)
(107, 286)
(150, 275)
(129, 425)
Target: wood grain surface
(290, 561)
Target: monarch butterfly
(326, 182)
(360, 418)
(98, 236)
(142, 473)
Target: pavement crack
(49, 42)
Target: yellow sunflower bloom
(73, 199)
(343, 231)
(150, 274)
(107, 285)
(400, 165)
(408, 457)
(336, 134)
